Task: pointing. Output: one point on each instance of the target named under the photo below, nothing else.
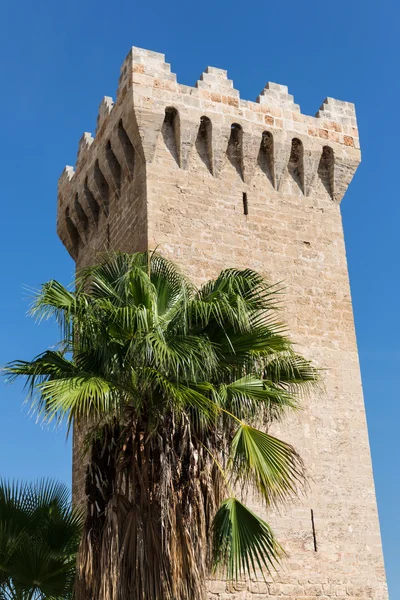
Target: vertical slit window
(245, 204)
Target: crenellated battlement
(149, 98)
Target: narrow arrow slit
(245, 204)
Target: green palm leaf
(180, 396)
(273, 466)
(39, 538)
(79, 397)
(54, 300)
(37, 569)
(245, 396)
(290, 371)
(243, 544)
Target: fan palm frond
(39, 537)
(243, 544)
(273, 466)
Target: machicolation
(211, 120)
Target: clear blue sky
(59, 59)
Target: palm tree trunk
(151, 500)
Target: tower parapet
(150, 98)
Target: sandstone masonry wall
(214, 181)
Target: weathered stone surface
(175, 180)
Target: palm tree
(39, 539)
(169, 382)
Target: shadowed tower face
(214, 181)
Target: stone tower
(214, 181)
